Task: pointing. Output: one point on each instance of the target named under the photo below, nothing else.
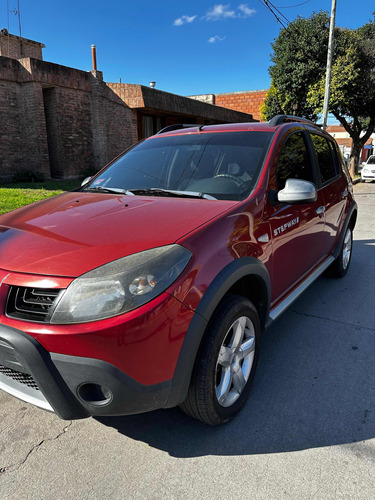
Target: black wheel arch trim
(228, 276)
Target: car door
(333, 188)
(296, 230)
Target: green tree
(298, 75)
(299, 57)
(272, 105)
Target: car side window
(326, 159)
(294, 161)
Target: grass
(13, 196)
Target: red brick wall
(246, 102)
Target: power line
(265, 4)
(292, 6)
(277, 10)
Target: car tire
(226, 363)
(341, 265)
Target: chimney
(97, 74)
(93, 52)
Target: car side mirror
(85, 181)
(297, 191)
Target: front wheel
(226, 364)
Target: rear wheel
(341, 265)
(226, 364)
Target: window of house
(147, 126)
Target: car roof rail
(279, 119)
(178, 126)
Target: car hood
(73, 233)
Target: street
(307, 431)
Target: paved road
(308, 431)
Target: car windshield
(371, 160)
(222, 165)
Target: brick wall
(67, 114)
(23, 144)
(129, 93)
(114, 124)
(17, 47)
(34, 128)
(59, 121)
(246, 102)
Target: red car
(150, 286)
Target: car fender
(228, 276)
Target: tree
(272, 105)
(298, 76)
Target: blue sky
(186, 47)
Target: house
(64, 122)
(345, 142)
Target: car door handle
(344, 193)
(320, 211)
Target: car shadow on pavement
(314, 386)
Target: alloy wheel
(347, 248)
(235, 360)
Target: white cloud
(216, 38)
(183, 20)
(218, 12)
(246, 11)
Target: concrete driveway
(307, 432)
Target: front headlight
(121, 285)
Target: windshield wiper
(100, 189)
(170, 192)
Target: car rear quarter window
(294, 161)
(326, 156)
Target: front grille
(30, 304)
(21, 378)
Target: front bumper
(71, 386)
(369, 174)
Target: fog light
(95, 394)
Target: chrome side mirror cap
(85, 181)
(297, 191)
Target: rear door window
(326, 156)
(294, 161)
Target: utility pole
(329, 63)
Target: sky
(187, 48)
